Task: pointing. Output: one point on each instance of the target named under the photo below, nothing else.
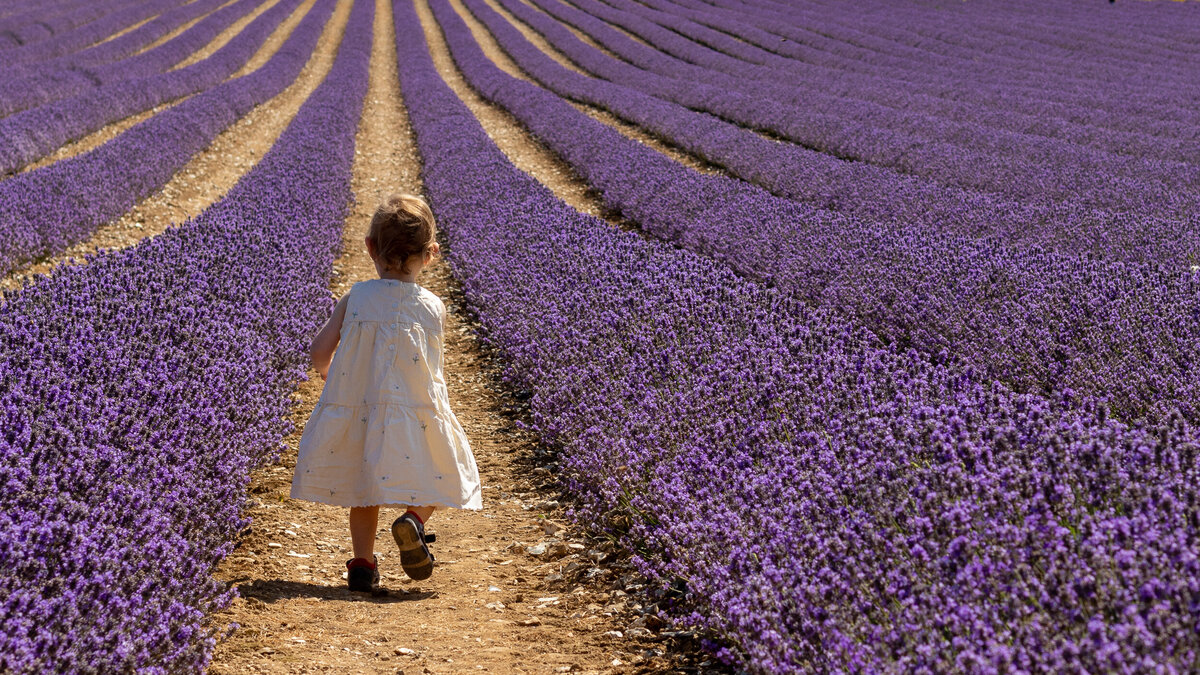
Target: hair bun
(402, 227)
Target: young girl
(383, 431)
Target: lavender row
(140, 390)
(1018, 36)
(815, 502)
(48, 209)
(933, 100)
(863, 190)
(21, 16)
(1150, 111)
(937, 65)
(39, 25)
(1069, 224)
(90, 33)
(32, 134)
(1036, 320)
(964, 154)
(1028, 67)
(72, 77)
(1099, 104)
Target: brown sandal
(410, 537)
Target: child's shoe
(410, 536)
(363, 575)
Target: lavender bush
(819, 502)
(50, 208)
(138, 391)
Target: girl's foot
(415, 558)
(363, 575)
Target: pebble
(614, 634)
(272, 544)
(493, 589)
(637, 632)
(529, 622)
(537, 549)
(404, 651)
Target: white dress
(383, 432)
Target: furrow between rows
(522, 149)
(631, 131)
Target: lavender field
(878, 352)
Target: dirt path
(127, 29)
(217, 168)
(497, 55)
(515, 591)
(522, 150)
(177, 31)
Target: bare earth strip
(124, 31)
(523, 151)
(171, 35)
(217, 168)
(492, 605)
(624, 31)
(236, 27)
(494, 52)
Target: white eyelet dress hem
(383, 432)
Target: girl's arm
(326, 342)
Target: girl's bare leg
(364, 522)
(423, 512)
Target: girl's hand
(326, 342)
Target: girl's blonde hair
(402, 227)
